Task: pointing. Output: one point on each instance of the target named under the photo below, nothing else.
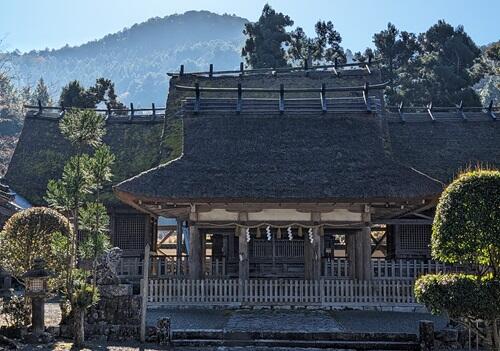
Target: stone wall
(116, 317)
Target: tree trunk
(79, 326)
(496, 334)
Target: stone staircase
(317, 340)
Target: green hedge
(467, 223)
(460, 295)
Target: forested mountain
(137, 58)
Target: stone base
(116, 317)
(115, 290)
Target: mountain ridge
(138, 57)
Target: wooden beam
(403, 221)
(144, 292)
(282, 99)
(335, 66)
(244, 265)
(400, 112)
(429, 112)
(196, 256)
(197, 97)
(490, 112)
(460, 111)
(132, 112)
(366, 98)
(153, 108)
(324, 106)
(239, 101)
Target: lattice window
(129, 232)
(415, 237)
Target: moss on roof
(42, 151)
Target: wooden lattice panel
(415, 237)
(129, 232)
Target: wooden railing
(338, 268)
(365, 65)
(459, 110)
(282, 248)
(131, 114)
(394, 269)
(233, 292)
(238, 104)
(162, 266)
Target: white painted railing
(325, 293)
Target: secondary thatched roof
(292, 157)
(42, 151)
(443, 148)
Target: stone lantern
(37, 289)
(5, 283)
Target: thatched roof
(443, 148)
(292, 157)
(263, 156)
(42, 151)
(7, 202)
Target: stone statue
(107, 266)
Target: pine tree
(75, 95)
(325, 47)
(41, 94)
(265, 39)
(433, 66)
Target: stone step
(318, 340)
(317, 344)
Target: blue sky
(37, 24)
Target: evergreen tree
(75, 95)
(41, 94)
(435, 66)
(265, 39)
(325, 47)
(77, 194)
(446, 58)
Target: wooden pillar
(312, 250)
(351, 253)
(244, 267)
(359, 254)
(144, 292)
(178, 251)
(196, 255)
(359, 250)
(365, 253)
